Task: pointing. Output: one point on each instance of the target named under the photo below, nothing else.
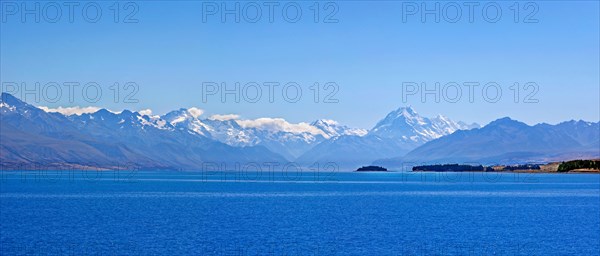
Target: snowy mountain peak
(333, 129)
(187, 119)
(407, 112)
(324, 122)
(177, 116)
(403, 114)
(406, 124)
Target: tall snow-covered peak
(407, 110)
(404, 116)
(406, 124)
(404, 111)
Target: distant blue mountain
(506, 141)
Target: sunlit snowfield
(145, 213)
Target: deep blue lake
(172, 213)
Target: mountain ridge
(507, 141)
(184, 139)
(104, 139)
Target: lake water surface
(172, 213)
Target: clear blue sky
(369, 53)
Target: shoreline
(389, 171)
(524, 171)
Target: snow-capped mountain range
(293, 140)
(185, 139)
(167, 140)
(287, 139)
(33, 138)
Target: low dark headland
(371, 169)
(452, 168)
(575, 166)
